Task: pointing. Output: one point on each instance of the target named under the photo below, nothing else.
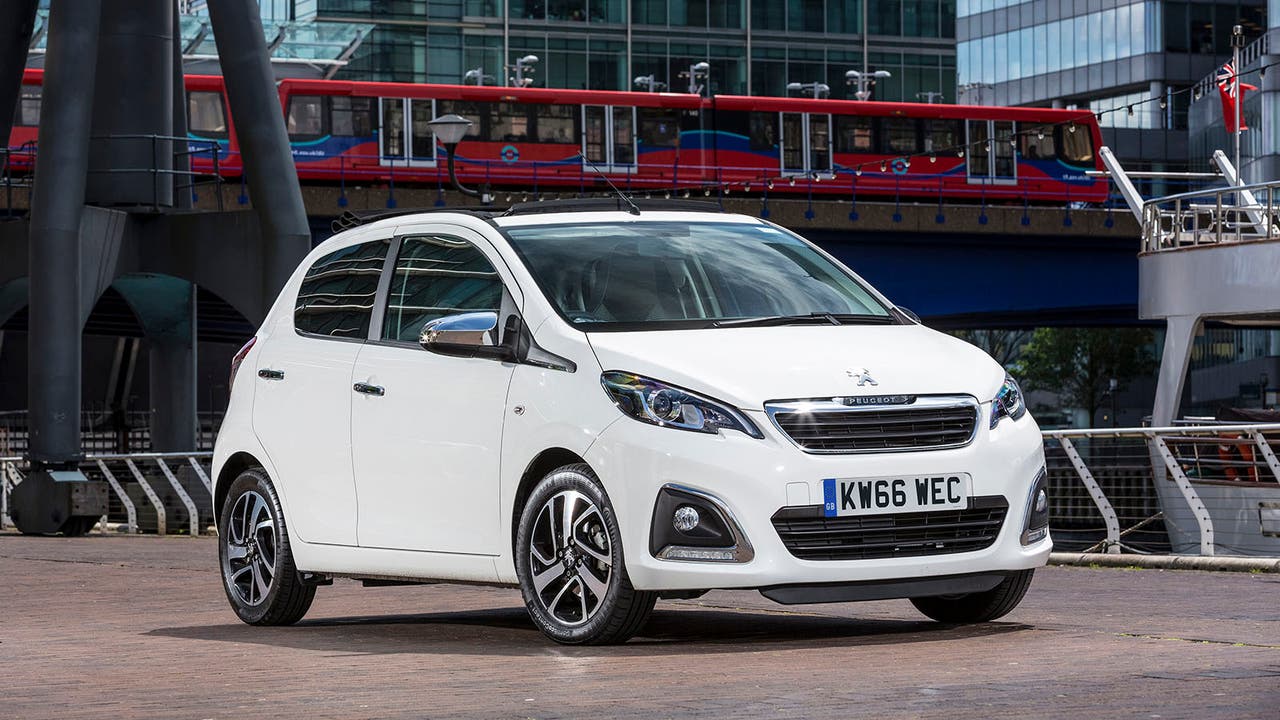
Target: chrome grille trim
(831, 421)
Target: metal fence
(104, 431)
(1198, 490)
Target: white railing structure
(1202, 489)
(1234, 214)
(150, 492)
(1210, 489)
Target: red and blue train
(366, 133)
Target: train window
(306, 116)
(899, 135)
(28, 106)
(351, 116)
(206, 115)
(1075, 147)
(476, 112)
(659, 127)
(556, 123)
(510, 123)
(624, 149)
(942, 135)
(853, 135)
(1035, 142)
(763, 131)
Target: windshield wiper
(810, 319)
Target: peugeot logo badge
(863, 378)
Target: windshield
(663, 275)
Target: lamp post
(696, 72)
(650, 83)
(523, 65)
(477, 76)
(450, 129)
(816, 90)
(930, 96)
(864, 80)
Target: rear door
(302, 407)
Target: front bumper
(753, 479)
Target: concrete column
(1179, 336)
(264, 143)
(54, 258)
(134, 97)
(172, 363)
(17, 19)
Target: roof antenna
(635, 209)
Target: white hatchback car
(608, 407)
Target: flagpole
(1237, 40)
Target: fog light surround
(694, 526)
(1036, 526)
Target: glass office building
(752, 46)
(1132, 60)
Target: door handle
(367, 389)
(268, 374)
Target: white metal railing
(1197, 483)
(1243, 213)
(149, 490)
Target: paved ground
(115, 627)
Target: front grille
(832, 428)
(809, 535)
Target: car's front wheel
(980, 606)
(258, 574)
(569, 559)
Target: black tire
(980, 606)
(287, 597)
(576, 565)
(77, 526)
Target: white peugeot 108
(607, 407)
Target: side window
(28, 113)
(853, 135)
(337, 294)
(556, 123)
(942, 135)
(899, 136)
(435, 276)
(476, 112)
(206, 116)
(351, 116)
(306, 116)
(764, 131)
(659, 127)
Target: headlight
(1008, 403)
(658, 403)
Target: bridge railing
(1202, 489)
(1213, 216)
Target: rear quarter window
(337, 294)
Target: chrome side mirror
(463, 335)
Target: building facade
(1134, 61)
(751, 46)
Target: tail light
(239, 358)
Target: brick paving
(119, 627)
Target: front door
(426, 428)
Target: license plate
(883, 495)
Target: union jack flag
(1227, 84)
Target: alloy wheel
(571, 557)
(251, 548)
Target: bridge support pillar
(1179, 337)
(171, 358)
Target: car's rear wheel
(980, 606)
(569, 560)
(258, 574)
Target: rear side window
(337, 294)
(435, 276)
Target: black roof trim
(355, 218)
(606, 204)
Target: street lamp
(976, 88)
(449, 130)
(476, 76)
(650, 83)
(930, 96)
(817, 90)
(696, 72)
(522, 66)
(864, 80)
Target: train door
(806, 143)
(404, 138)
(609, 137)
(991, 151)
